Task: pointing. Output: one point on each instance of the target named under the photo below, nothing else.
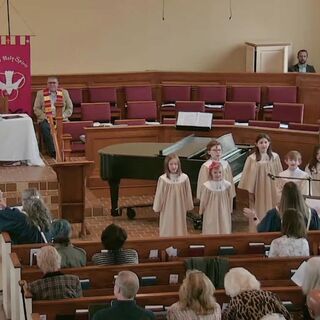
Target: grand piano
(145, 160)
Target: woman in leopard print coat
(248, 301)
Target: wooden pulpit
(4, 105)
(72, 188)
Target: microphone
(270, 175)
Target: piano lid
(187, 147)
(227, 144)
(191, 146)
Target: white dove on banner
(9, 85)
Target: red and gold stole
(47, 101)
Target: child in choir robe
(262, 189)
(293, 160)
(216, 199)
(173, 199)
(313, 169)
(214, 150)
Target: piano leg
(114, 193)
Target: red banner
(15, 77)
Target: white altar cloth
(18, 140)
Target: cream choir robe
(204, 176)
(303, 185)
(216, 200)
(173, 199)
(255, 180)
(315, 185)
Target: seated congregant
(291, 198)
(302, 65)
(248, 301)
(113, 238)
(29, 225)
(293, 242)
(196, 299)
(126, 287)
(71, 256)
(311, 280)
(54, 284)
(45, 105)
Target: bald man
(125, 289)
(313, 303)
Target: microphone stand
(309, 179)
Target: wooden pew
(69, 306)
(102, 277)
(212, 243)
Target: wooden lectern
(4, 105)
(72, 187)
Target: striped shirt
(122, 256)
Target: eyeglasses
(52, 82)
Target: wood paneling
(96, 138)
(308, 84)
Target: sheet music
(195, 119)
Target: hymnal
(102, 124)
(196, 250)
(194, 120)
(33, 256)
(173, 278)
(157, 307)
(85, 284)
(81, 314)
(214, 106)
(148, 281)
(153, 254)
(226, 250)
(171, 105)
(256, 247)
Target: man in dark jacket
(125, 288)
(302, 66)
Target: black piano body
(145, 160)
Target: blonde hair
(238, 280)
(48, 259)
(293, 155)
(196, 293)
(311, 279)
(128, 283)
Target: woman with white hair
(311, 279)
(31, 225)
(248, 301)
(196, 299)
(54, 284)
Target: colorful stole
(47, 101)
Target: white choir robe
(216, 200)
(204, 175)
(173, 199)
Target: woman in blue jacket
(29, 225)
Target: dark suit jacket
(124, 310)
(295, 68)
